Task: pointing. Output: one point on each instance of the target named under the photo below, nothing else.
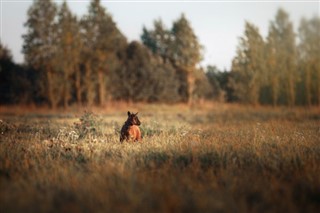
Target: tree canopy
(88, 61)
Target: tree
(39, 47)
(219, 83)
(6, 69)
(282, 56)
(309, 58)
(160, 41)
(180, 47)
(5, 53)
(145, 77)
(248, 66)
(149, 40)
(273, 74)
(102, 42)
(68, 56)
(203, 89)
(157, 40)
(16, 81)
(185, 51)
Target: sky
(217, 24)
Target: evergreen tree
(40, 47)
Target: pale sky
(218, 24)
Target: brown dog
(130, 129)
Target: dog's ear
(136, 113)
(129, 113)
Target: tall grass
(214, 158)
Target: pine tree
(39, 47)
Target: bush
(89, 125)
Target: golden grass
(208, 158)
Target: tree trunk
(308, 86)
(101, 88)
(191, 86)
(65, 91)
(89, 85)
(275, 90)
(254, 91)
(291, 91)
(318, 84)
(50, 94)
(78, 85)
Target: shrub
(89, 125)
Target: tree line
(278, 69)
(88, 61)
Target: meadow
(207, 158)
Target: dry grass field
(210, 158)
